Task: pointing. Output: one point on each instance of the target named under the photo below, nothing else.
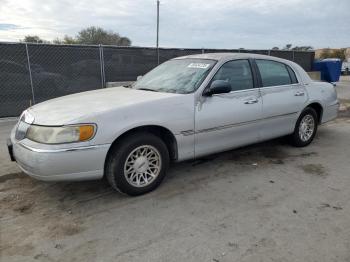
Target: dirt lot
(268, 202)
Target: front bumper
(10, 149)
(59, 164)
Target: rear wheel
(305, 128)
(137, 165)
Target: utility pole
(158, 31)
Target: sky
(250, 24)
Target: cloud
(8, 26)
(186, 23)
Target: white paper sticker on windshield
(198, 65)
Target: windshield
(176, 76)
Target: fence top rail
(149, 47)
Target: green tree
(295, 48)
(287, 47)
(33, 39)
(89, 36)
(57, 41)
(69, 40)
(302, 48)
(66, 40)
(124, 41)
(97, 35)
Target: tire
(307, 119)
(138, 164)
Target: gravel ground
(267, 202)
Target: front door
(229, 120)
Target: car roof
(226, 56)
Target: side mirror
(138, 78)
(218, 87)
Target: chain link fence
(32, 73)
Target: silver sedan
(183, 109)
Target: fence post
(30, 74)
(269, 52)
(202, 50)
(102, 66)
(293, 55)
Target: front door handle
(251, 101)
(299, 93)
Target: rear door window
(273, 73)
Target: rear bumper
(68, 164)
(330, 112)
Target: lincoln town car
(183, 109)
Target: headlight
(23, 124)
(62, 134)
(27, 117)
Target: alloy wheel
(142, 166)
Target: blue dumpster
(330, 69)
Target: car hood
(78, 107)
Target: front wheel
(305, 128)
(138, 164)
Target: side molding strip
(191, 132)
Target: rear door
(283, 98)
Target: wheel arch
(163, 133)
(319, 110)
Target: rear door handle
(299, 93)
(251, 101)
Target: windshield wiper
(147, 89)
(127, 86)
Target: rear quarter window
(292, 75)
